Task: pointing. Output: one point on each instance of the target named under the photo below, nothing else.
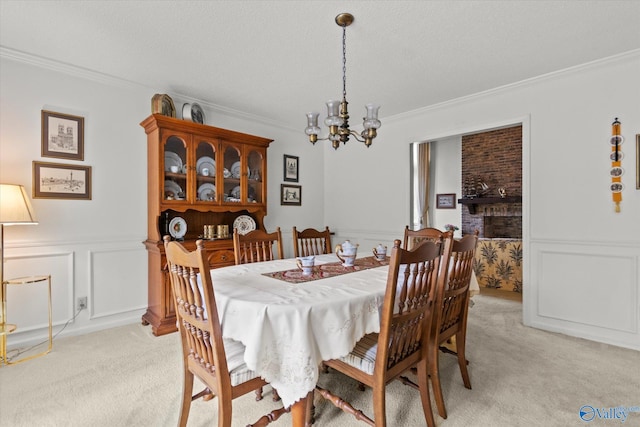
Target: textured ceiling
(280, 59)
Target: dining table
(290, 322)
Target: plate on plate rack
(172, 189)
(206, 162)
(244, 224)
(207, 192)
(172, 159)
(235, 193)
(235, 170)
(178, 227)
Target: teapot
(346, 252)
(380, 252)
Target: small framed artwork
(62, 136)
(291, 165)
(446, 201)
(60, 181)
(290, 195)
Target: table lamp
(15, 209)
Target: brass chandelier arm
(365, 136)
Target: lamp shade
(15, 206)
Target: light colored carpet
(520, 377)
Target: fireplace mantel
(473, 202)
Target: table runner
(322, 271)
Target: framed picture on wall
(290, 195)
(291, 164)
(60, 181)
(638, 161)
(62, 136)
(446, 201)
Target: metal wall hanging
(616, 156)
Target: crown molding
(95, 76)
(625, 56)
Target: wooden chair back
(204, 351)
(311, 242)
(413, 282)
(257, 246)
(455, 297)
(412, 238)
(451, 320)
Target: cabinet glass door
(175, 168)
(232, 174)
(205, 171)
(256, 190)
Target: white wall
(94, 248)
(581, 259)
(446, 178)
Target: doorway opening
(484, 169)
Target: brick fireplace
(495, 158)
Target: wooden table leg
(299, 411)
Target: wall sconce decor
(337, 115)
(616, 172)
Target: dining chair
(311, 242)
(257, 246)
(406, 320)
(414, 237)
(451, 320)
(216, 361)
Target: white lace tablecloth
(289, 329)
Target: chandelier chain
(344, 62)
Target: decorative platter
(617, 187)
(235, 170)
(244, 224)
(206, 162)
(616, 139)
(207, 192)
(171, 159)
(177, 227)
(235, 193)
(617, 171)
(193, 113)
(612, 156)
(172, 189)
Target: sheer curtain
(424, 161)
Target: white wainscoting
(586, 289)
(117, 284)
(111, 274)
(27, 305)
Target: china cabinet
(197, 176)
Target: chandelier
(337, 115)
